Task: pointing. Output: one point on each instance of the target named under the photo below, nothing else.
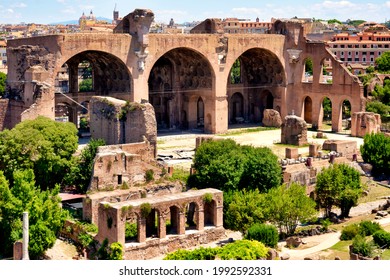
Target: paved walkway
(326, 241)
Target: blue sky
(49, 11)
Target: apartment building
(361, 48)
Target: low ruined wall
(91, 201)
(157, 247)
(122, 166)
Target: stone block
(292, 153)
(271, 118)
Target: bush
(376, 151)
(131, 230)
(367, 228)
(149, 175)
(382, 238)
(349, 232)
(197, 254)
(364, 228)
(363, 247)
(243, 250)
(266, 234)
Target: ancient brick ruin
(164, 223)
(294, 131)
(365, 122)
(185, 77)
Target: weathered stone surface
(272, 118)
(293, 241)
(345, 148)
(118, 122)
(294, 131)
(184, 76)
(272, 254)
(285, 257)
(365, 122)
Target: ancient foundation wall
(157, 247)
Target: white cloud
(337, 4)
(387, 4)
(61, 1)
(19, 5)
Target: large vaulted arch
(258, 75)
(180, 90)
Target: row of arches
(326, 114)
(181, 86)
(174, 220)
(324, 75)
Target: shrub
(367, 228)
(146, 209)
(363, 247)
(266, 234)
(131, 230)
(382, 238)
(149, 175)
(376, 151)
(197, 254)
(349, 232)
(85, 239)
(243, 250)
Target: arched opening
(326, 76)
(152, 224)
(131, 228)
(236, 108)
(326, 112)
(308, 110)
(176, 82)
(259, 78)
(192, 216)
(346, 114)
(85, 83)
(307, 75)
(88, 74)
(210, 213)
(200, 112)
(172, 221)
(235, 73)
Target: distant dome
(91, 16)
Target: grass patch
(375, 191)
(342, 246)
(290, 145)
(358, 219)
(247, 130)
(161, 142)
(386, 254)
(179, 174)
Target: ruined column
(25, 236)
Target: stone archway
(259, 76)
(180, 81)
(308, 110)
(236, 108)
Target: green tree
(80, 171)
(244, 209)
(225, 165)
(309, 66)
(378, 108)
(376, 151)
(42, 145)
(383, 62)
(287, 206)
(86, 85)
(46, 216)
(339, 185)
(261, 169)
(219, 164)
(235, 72)
(3, 79)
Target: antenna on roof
(115, 7)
